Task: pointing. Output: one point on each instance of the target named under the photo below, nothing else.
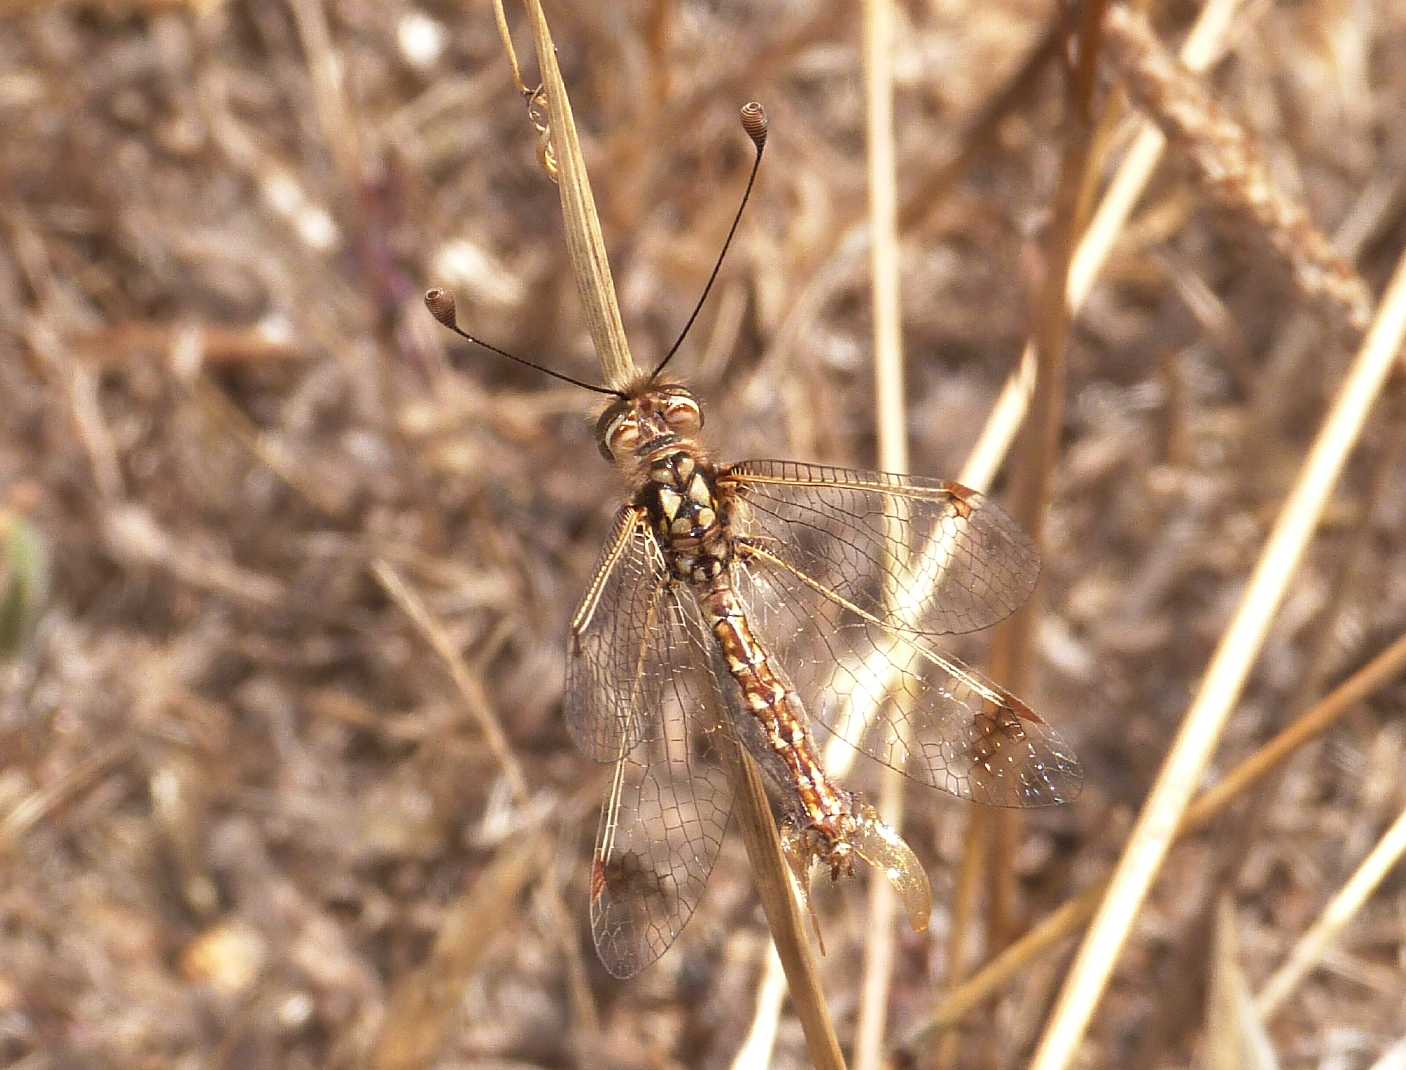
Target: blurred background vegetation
(251, 496)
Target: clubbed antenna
(754, 123)
(441, 305)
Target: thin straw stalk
(585, 244)
(971, 874)
(773, 880)
(1225, 677)
(1010, 657)
(471, 690)
(422, 1006)
(761, 1036)
(890, 419)
(1235, 1033)
(475, 697)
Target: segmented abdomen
(778, 729)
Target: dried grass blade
(422, 1005)
(1039, 448)
(752, 813)
(1373, 676)
(757, 1049)
(585, 244)
(42, 803)
(1235, 1033)
(890, 419)
(471, 689)
(1394, 1058)
(971, 875)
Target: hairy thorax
(687, 514)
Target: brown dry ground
(240, 795)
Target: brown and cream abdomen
(783, 745)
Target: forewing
(921, 556)
(894, 697)
(615, 680)
(668, 806)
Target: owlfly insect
(755, 604)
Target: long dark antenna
(754, 122)
(441, 306)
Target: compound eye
(623, 436)
(683, 414)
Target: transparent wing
(664, 818)
(614, 679)
(957, 562)
(892, 696)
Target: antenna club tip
(441, 305)
(754, 122)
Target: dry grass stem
(340, 131)
(772, 878)
(422, 1008)
(500, 17)
(585, 244)
(756, 1050)
(980, 131)
(1312, 946)
(119, 343)
(41, 804)
(1377, 673)
(1039, 452)
(966, 897)
(1394, 1058)
(1232, 165)
(1235, 1034)
(469, 687)
(1225, 677)
(238, 426)
(890, 421)
(1001, 427)
(1385, 470)
(476, 699)
(1201, 48)
(1047, 934)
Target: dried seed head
(754, 122)
(441, 306)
